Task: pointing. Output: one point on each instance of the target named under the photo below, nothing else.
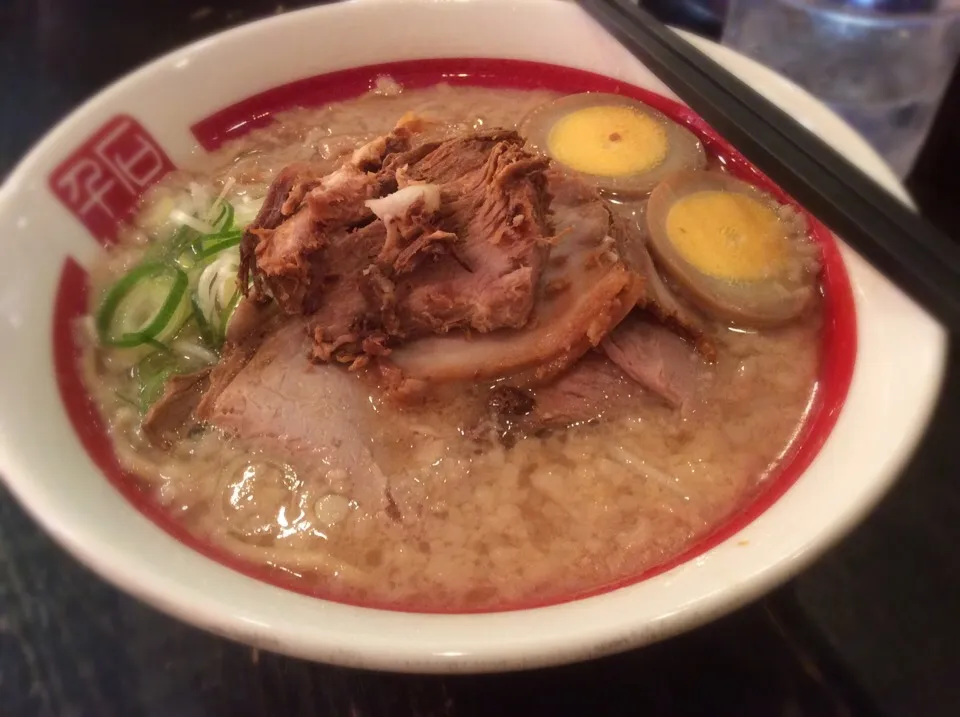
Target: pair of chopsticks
(912, 254)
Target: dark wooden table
(872, 629)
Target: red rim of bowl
(839, 337)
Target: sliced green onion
(172, 248)
(224, 220)
(193, 273)
(147, 306)
(228, 313)
(183, 237)
(206, 247)
(151, 388)
(152, 374)
(208, 334)
(217, 295)
(158, 367)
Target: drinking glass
(883, 65)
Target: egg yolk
(727, 235)
(608, 141)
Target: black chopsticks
(907, 250)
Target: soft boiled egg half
(618, 144)
(741, 255)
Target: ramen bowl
(881, 371)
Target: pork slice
(301, 213)
(317, 417)
(251, 323)
(288, 255)
(640, 359)
(282, 200)
(657, 359)
(249, 319)
(177, 409)
(340, 307)
(660, 301)
(594, 389)
(172, 413)
(460, 242)
(492, 236)
(586, 288)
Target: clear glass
(881, 64)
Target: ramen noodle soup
(456, 349)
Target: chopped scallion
(146, 306)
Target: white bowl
(896, 374)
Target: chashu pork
(586, 289)
(317, 417)
(406, 239)
(657, 358)
(639, 361)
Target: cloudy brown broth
(551, 516)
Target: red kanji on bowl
(102, 181)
